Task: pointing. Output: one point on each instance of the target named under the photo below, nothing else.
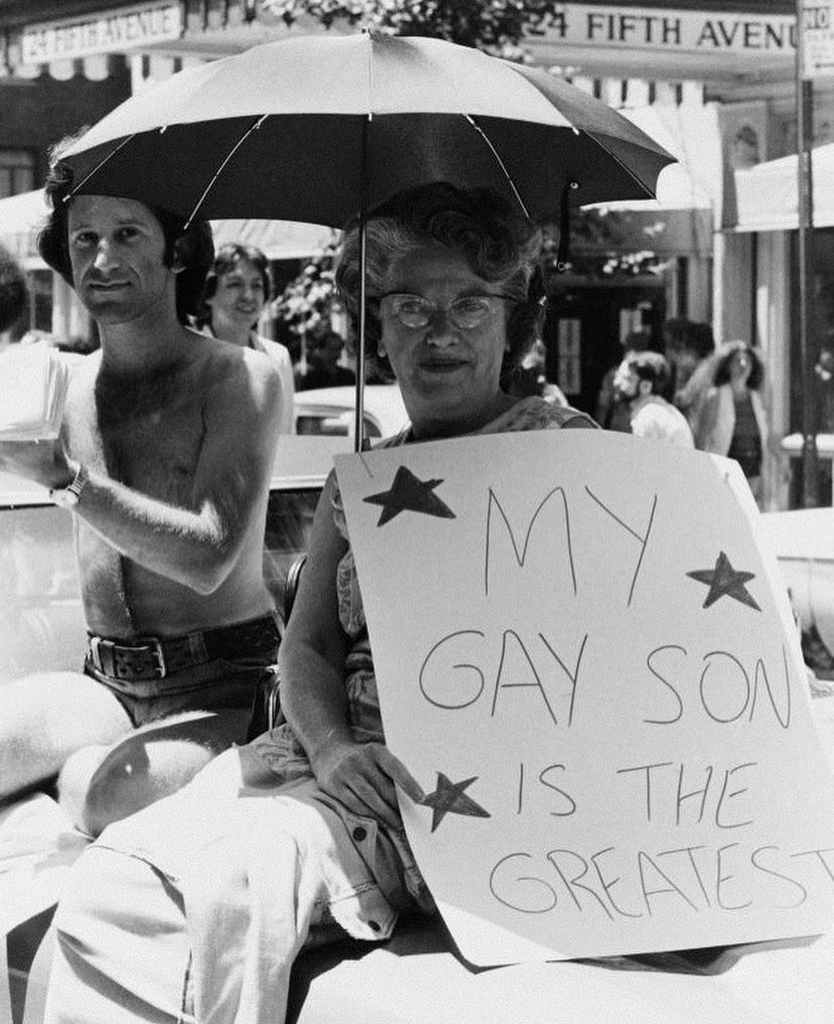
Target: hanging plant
(601, 246)
(308, 299)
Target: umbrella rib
(252, 128)
(98, 167)
(499, 161)
(623, 166)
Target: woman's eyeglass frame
(426, 310)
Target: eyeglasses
(466, 312)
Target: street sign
(817, 44)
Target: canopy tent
(767, 194)
(278, 239)
(22, 215)
(20, 218)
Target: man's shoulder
(274, 349)
(225, 358)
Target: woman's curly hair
(498, 242)
(721, 373)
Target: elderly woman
(201, 903)
(237, 288)
(733, 421)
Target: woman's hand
(362, 777)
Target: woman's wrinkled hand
(363, 776)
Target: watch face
(65, 498)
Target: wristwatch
(67, 497)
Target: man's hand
(44, 462)
(362, 777)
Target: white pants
(196, 907)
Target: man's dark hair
(653, 367)
(694, 336)
(191, 247)
(14, 295)
(703, 340)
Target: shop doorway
(586, 324)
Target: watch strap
(67, 497)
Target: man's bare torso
(147, 431)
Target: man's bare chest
(147, 435)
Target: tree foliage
(305, 304)
(493, 25)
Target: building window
(17, 172)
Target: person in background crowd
(164, 461)
(640, 381)
(237, 288)
(196, 908)
(323, 367)
(612, 413)
(690, 348)
(14, 295)
(733, 421)
(530, 377)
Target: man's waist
(155, 657)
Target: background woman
(298, 835)
(237, 288)
(733, 420)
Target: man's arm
(312, 661)
(198, 545)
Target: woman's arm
(312, 660)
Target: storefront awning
(767, 194)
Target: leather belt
(157, 657)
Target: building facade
(713, 80)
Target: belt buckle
(103, 654)
(159, 655)
(99, 646)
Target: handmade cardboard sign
(587, 660)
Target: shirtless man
(164, 460)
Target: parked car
(332, 411)
(803, 541)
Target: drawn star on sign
(449, 798)
(725, 581)
(409, 493)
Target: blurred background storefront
(712, 80)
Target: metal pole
(804, 130)
(359, 430)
